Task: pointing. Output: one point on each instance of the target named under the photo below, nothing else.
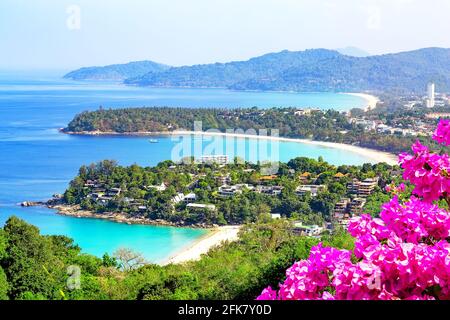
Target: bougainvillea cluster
(403, 254)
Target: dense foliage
(404, 254)
(33, 266)
(330, 125)
(116, 72)
(202, 180)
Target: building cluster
(213, 159)
(102, 195)
(353, 206)
(430, 100)
(410, 125)
(419, 128)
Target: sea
(37, 161)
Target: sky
(67, 34)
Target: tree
(4, 287)
(29, 265)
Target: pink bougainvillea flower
(442, 133)
(404, 254)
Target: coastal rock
(31, 204)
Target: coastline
(76, 212)
(194, 251)
(204, 244)
(375, 155)
(371, 100)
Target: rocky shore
(76, 211)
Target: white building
(229, 191)
(219, 159)
(313, 189)
(178, 198)
(309, 231)
(161, 187)
(431, 95)
(201, 206)
(275, 216)
(269, 190)
(189, 198)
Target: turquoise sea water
(37, 161)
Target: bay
(37, 161)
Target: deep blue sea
(37, 161)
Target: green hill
(309, 70)
(117, 72)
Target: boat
(153, 141)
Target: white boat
(153, 141)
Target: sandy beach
(202, 245)
(375, 155)
(371, 100)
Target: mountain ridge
(118, 72)
(310, 70)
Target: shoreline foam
(204, 244)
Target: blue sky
(44, 34)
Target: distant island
(116, 72)
(315, 70)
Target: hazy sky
(65, 34)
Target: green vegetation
(150, 193)
(33, 266)
(117, 72)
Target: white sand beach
(371, 100)
(375, 155)
(202, 246)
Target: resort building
(341, 208)
(312, 188)
(367, 187)
(309, 231)
(356, 206)
(305, 112)
(269, 190)
(178, 198)
(352, 187)
(201, 206)
(339, 176)
(363, 188)
(218, 159)
(431, 97)
(229, 191)
(161, 187)
(304, 177)
(275, 216)
(189, 198)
